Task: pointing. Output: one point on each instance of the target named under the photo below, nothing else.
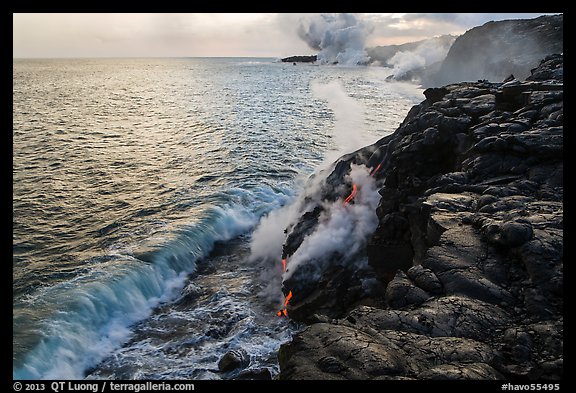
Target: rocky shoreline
(299, 59)
(466, 264)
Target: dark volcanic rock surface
(468, 253)
(300, 59)
(233, 359)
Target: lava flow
(349, 199)
(352, 195)
(286, 301)
(355, 188)
(284, 312)
(375, 170)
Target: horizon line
(145, 57)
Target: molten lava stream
(349, 199)
(351, 196)
(375, 170)
(286, 301)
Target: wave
(97, 310)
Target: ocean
(138, 185)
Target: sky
(198, 35)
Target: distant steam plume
(428, 52)
(340, 38)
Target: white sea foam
(99, 308)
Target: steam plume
(269, 236)
(348, 113)
(427, 53)
(342, 230)
(347, 227)
(340, 38)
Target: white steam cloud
(340, 38)
(343, 229)
(349, 115)
(269, 236)
(429, 52)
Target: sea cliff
(462, 277)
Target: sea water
(137, 184)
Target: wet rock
(236, 358)
(259, 374)
(189, 294)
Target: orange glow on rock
(352, 195)
(376, 170)
(283, 265)
(286, 301)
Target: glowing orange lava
(376, 170)
(355, 189)
(352, 195)
(286, 301)
(349, 199)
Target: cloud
(142, 35)
(242, 34)
(402, 28)
(465, 20)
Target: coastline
(467, 252)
